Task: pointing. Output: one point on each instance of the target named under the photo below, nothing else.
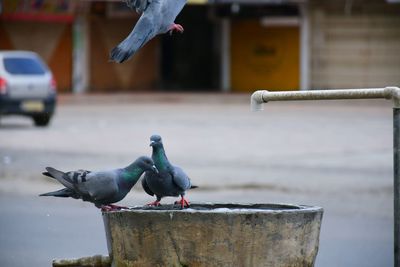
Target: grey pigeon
(157, 17)
(103, 187)
(169, 181)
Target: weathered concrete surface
(214, 235)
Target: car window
(23, 65)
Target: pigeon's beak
(152, 143)
(154, 168)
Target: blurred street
(333, 154)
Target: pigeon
(103, 187)
(157, 17)
(169, 181)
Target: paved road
(337, 155)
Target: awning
(44, 11)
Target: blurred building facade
(228, 45)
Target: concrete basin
(214, 235)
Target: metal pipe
(396, 184)
(264, 96)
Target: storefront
(228, 45)
(263, 47)
(45, 29)
(354, 44)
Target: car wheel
(41, 120)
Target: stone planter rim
(228, 207)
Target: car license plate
(32, 106)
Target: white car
(27, 86)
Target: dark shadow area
(189, 60)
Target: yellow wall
(264, 57)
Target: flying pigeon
(170, 181)
(103, 187)
(157, 17)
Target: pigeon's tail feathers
(127, 48)
(140, 35)
(193, 187)
(52, 172)
(48, 174)
(119, 54)
(60, 176)
(65, 192)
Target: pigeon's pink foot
(112, 207)
(106, 208)
(155, 203)
(175, 27)
(183, 202)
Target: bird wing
(180, 178)
(145, 186)
(139, 5)
(100, 185)
(66, 178)
(75, 177)
(145, 29)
